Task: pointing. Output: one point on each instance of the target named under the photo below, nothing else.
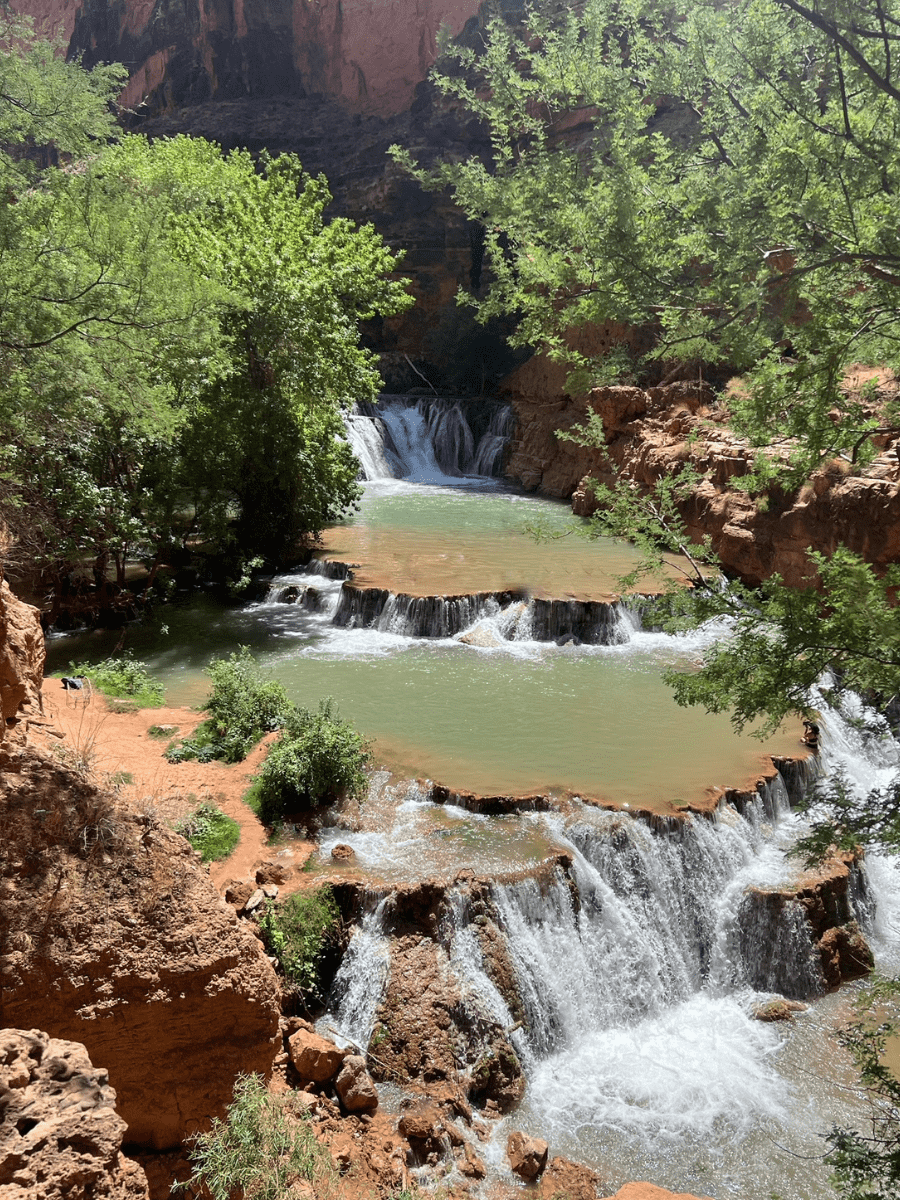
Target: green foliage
(867, 1166)
(318, 759)
(719, 177)
(178, 334)
(297, 933)
(210, 831)
(124, 678)
(265, 1143)
(243, 705)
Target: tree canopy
(178, 333)
(724, 177)
(721, 173)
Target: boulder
(354, 1086)
(255, 901)
(481, 635)
(238, 892)
(342, 852)
(271, 872)
(315, 1059)
(421, 1121)
(60, 1135)
(527, 1156)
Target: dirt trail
(124, 754)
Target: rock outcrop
(22, 657)
(827, 900)
(112, 934)
(428, 1035)
(651, 432)
(60, 1137)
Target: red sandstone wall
(370, 54)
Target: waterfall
(506, 616)
(429, 439)
(357, 988)
(643, 920)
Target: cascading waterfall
(428, 439)
(358, 985)
(644, 920)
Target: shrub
(210, 831)
(297, 933)
(123, 678)
(318, 759)
(264, 1144)
(243, 705)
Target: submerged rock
(778, 1010)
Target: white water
(637, 970)
(426, 440)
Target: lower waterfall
(636, 968)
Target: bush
(264, 1144)
(210, 831)
(318, 759)
(123, 678)
(242, 706)
(297, 933)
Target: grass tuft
(210, 831)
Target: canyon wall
(369, 54)
(652, 432)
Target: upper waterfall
(429, 439)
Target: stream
(477, 658)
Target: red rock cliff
(111, 933)
(370, 54)
(651, 432)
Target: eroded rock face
(60, 1137)
(426, 1034)
(651, 432)
(22, 655)
(113, 936)
(368, 55)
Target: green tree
(720, 174)
(178, 334)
